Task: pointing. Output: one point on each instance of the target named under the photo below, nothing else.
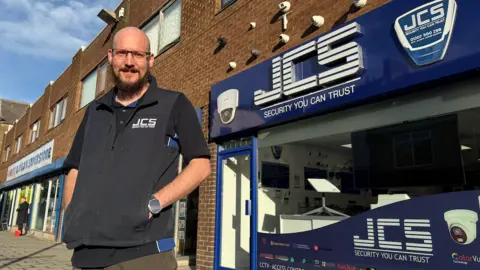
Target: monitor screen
(420, 153)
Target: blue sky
(38, 39)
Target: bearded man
(123, 177)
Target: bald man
(122, 167)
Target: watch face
(155, 206)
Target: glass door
(234, 210)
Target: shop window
(58, 112)
(163, 30)
(34, 131)
(19, 144)
(44, 214)
(7, 152)
(339, 164)
(7, 208)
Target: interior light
(465, 147)
(347, 145)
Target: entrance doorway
(236, 211)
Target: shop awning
(31, 176)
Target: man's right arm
(69, 186)
(72, 163)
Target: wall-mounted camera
(284, 6)
(359, 3)
(462, 225)
(318, 21)
(283, 38)
(227, 103)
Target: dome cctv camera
(462, 225)
(227, 103)
(359, 3)
(284, 6)
(318, 21)
(284, 38)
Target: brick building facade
(190, 65)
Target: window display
(348, 173)
(45, 205)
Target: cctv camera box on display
(428, 232)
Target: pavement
(28, 252)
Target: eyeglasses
(137, 55)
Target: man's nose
(129, 60)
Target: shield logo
(425, 31)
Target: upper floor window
(34, 131)
(58, 112)
(226, 3)
(93, 84)
(163, 30)
(7, 152)
(19, 144)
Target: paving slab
(28, 252)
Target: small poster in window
(181, 235)
(181, 224)
(182, 209)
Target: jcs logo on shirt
(145, 123)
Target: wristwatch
(154, 205)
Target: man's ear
(151, 61)
(110, 56)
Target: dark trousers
(163, 261)
(20, 228)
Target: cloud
(50, 29)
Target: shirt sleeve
(73, 158)
(189, 131)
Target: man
(123, 171)
(22, 215)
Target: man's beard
(128, 90)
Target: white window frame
(35, 131)
(57, 116)
(88, 94)
(8, 150)
(19, 142)
(155, 24)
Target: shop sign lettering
(333, 50)
(35, 160)
(378, 245)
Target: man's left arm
(194, 150)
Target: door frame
(251, 150)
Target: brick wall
(191, 66)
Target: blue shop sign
(399, 45)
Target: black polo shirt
(183, 130)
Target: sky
(38, 39)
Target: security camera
(462, 225)
(318, 21)
(284, 38)
(284, 6)
(359, 3)
(227, 103)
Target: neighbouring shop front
(40, 180)
(357, 149)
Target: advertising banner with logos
(397, 46)
(429, 232)
(35, 160)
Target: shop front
(357, 149)
(40, 181)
